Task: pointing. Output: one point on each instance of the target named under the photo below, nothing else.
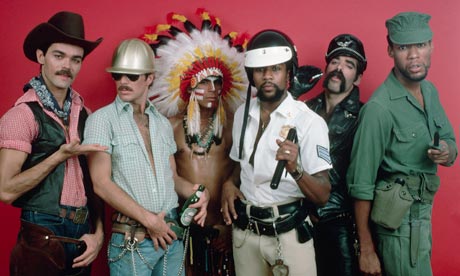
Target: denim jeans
(61, 227)
(141, 259)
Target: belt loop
(274, 229)
(276, 212)
(423, 181)
(257, 228)
(248, 210)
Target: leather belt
(269, 228)
(271, 211)
(119, 217)
(139, 231)
(336, 216)
(125, 225)
(77, 215)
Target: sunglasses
(131, 77)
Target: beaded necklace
(203, 142)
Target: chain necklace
(264, 125)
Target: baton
(292, 134)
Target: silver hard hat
(132, 56)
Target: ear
(431, 46)
(358, 80)
(390, 51)
(151, 78)
(40, 56)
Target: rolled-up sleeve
(369, 145)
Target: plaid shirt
(114, 126)
(18, 130)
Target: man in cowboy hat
(42, 167)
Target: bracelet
(298, 176)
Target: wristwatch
(297, 173)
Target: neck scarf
(48, 100)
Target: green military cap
(409, 28)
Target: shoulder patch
(323, 153)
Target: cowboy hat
(64, 27)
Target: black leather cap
(347, 45)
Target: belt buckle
(262, 212)
(81, 214)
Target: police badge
(284, 131)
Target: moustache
(64, 73)
(336, 73)
(267, 83)
(124, 88)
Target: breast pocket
(409, 145)
(439, 122)
(126, 148)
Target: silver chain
(134, 265)
(165, 260)
(279, 251)
(131, 245)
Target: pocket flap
(384, 186)
(123, 140)
(432, 183)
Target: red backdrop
(310, 25)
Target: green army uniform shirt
(394, 135)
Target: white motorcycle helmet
(270, 47)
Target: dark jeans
(334, 249)
(62, 227)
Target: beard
(405, 73)
(338, 74)
(278, 94)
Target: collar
(350, 103)
(122, 106)
(396, 90)
(284, 108)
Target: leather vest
(342, 126)
(45, 197)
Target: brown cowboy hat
(64, 27)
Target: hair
(390, 43)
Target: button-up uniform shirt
(313, 144)
(114, 126)
(394, 135)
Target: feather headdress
(185, 56)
